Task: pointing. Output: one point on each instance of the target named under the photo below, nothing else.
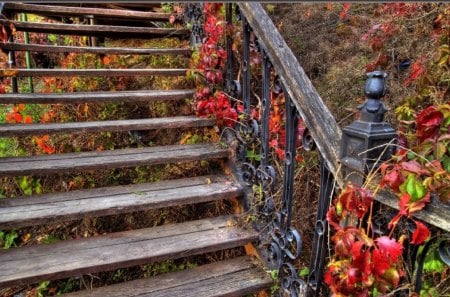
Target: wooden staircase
(25, 265)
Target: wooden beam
(97, 30)
(29, 264)
(54, 10)
(94, 50)
(57, 163)
(182, 122)
(96, 97)
(91, 72)
(322, 125)
(60, 207)
(234, 277)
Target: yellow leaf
(9, 72)
(185, 138)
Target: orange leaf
(28, 120)
(106, 60)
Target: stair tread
(50, 208)
(9, 130)
(94, 50)
(47, 164)
(118, 250)
(83, 97)
(234, 277)
(83, 11)
(97, 30)
(20, 72)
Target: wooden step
(53, 10)
(118, 250)
(236, 277)
(97, 30)
(91, 72)
(10, 130)
(57, 163)
(94, 50)
(56, 207)
(96, 97)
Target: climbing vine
(365, 262)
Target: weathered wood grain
(435, 213)
(97, 30)
(96, 97)
(93, 50)
(10, 130)
(57, 163)
(235, 277)
(91, 72)
(118, 250)
(53, 10)
(50, 208)
(321, 123)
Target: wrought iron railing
(358, 148)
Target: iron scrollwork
(282, 241)
(194, 15)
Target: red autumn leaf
(428, 122)
(417, 71)
(345, 8)
(376, 43)
(343, 241)
(333, 219)
(392, 178)
(18, 117)
(380, 263)
(389, 247)
(420, 234)
(407, 207)
(414, 167)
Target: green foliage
(42, 289)
(433, 262)
(29, 185)
(7, 239)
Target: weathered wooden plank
(235, 277)
(57, 207)
(10, 130)
(53, 10)
(435, 213)
(96, 97)
(97, 30)
(91, 72)
(94, 50)
(321, 123)
(48, 164)
(118, 250)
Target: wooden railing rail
(324, 129)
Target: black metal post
(365, 141)
(246, 74)
(320, 241)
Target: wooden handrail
(324, 129)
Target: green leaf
(446, 163)
(9, 239)
(413, 187)
(304, 272)
(433, 262)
